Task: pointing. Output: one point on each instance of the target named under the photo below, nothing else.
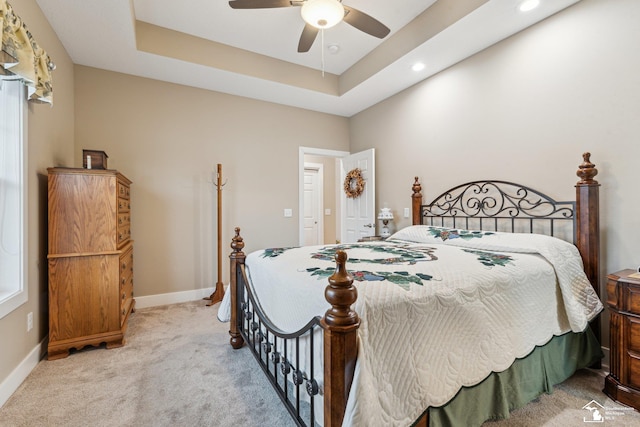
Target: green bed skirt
(502, 392)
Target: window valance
(22, 58)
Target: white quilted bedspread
(439, 308)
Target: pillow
(432, 234)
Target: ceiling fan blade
(307, 38)
(258, 4)
(366, 23)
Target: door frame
(302, 151)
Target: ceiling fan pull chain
(322, 49)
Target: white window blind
(13, 230)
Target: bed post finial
(341, 294)
(237, 243)
(587, 170)
(237, 258)
(416, 202)
(340, 325)
(416, 187)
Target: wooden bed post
(340, 324)
(416, 202)
(237, 257)
(588, 226)
(587, 215)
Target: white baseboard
(172, 297)
(22, 371)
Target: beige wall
(525, 110)
(168, 139)
(50, 142)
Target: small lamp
(385, 215)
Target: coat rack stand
(218, 292)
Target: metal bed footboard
(287, 359)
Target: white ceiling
(102, 34)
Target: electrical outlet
(406, 212)
(29, 321)
(288, 213)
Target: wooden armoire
(90, 259)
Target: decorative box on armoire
(90, 259)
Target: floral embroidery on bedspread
(274, 252)
(401, 278)
(448, 233)
(491, 259)
(401, 254)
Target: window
(13, 204)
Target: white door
(312, 206)
(358, 214)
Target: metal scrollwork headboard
(501, 206)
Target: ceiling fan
(319, 15)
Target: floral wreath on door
(354, 183)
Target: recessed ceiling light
(528, 5)
(418, 66)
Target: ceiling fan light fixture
(528, 5)
(322, 14)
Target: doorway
(329, 216)
(312, 214)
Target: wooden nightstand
(623, 299)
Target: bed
(473, 311)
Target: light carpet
(177, 369)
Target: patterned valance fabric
(22, 58)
